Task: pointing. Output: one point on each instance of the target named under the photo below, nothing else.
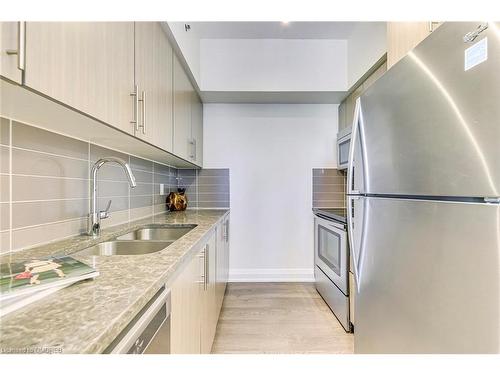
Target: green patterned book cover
(34, 275)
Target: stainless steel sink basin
(125, 248)
(157, 232)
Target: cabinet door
(210, 314)
(404, 36)
(10, 47)
(186, 309)
(197, 128)
(342, 115)
(351, 103)
(86, 65)
(374, 76)
(227, 251)
(220, 282)
(183, 144)
(153, 77)
(352, 296)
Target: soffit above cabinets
(277, 62)
(274, 97)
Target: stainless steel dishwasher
(149, 331)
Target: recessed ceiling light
(285, 23)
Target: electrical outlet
(162, 189)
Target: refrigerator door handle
(350, 231)
(354, 138)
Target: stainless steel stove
(331, 258)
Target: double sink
(146, 240)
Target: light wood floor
(278, 318)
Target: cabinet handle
(194, 149)
(135, 94)
(21, 46)
(207, 257)
(143, 103)
(190, 145)
(431, 25)
(203, 277)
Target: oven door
(331, 256)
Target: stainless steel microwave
(343, 145)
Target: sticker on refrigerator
(476, 54)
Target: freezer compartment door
(430, 126)
(429, 278)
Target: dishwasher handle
(136, 336)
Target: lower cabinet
(209, 312)
(222, 274)
(186, 308)
(352, 296)
(197, 294)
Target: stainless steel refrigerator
(423, 198)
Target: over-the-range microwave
(343, 145)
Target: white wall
(270, 150)
(281, 64)
(189, 43)
(365, 46)
(273, 65)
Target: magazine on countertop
(23, 279)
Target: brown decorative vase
(177, 201)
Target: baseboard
(271, 275)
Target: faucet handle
(105, 213)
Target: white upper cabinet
(188, 118)
(184, 146)
(197, 128)
(153, 79)
(123, 74)
(86, 65)
(346, 108)
(12, 50)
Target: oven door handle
(328, 223)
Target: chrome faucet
(95, 216)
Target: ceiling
(272, 30)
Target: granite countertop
(87, 316)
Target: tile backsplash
(206, 188)
(328, 188)
(45, 178)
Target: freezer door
(431, 127)
(429, 278)
(356, 168)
